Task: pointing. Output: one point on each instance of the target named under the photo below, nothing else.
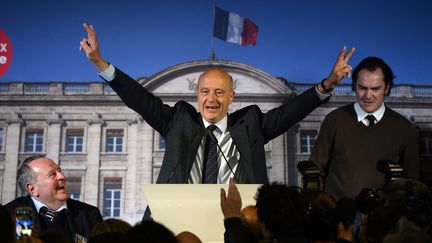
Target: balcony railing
(76, 87)
(92, 88)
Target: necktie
(210, 170)
(371, 119)
(48, 213)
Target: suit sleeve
(139, 99)
(278, 120)
(236, 232)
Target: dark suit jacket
(183, 129)
(80, 217)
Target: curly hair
(282, 209)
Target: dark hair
(150, 231)
(321, 218)
(7, 226)
(25, 174)
(372, 64)
(407, 198)
(282, 209)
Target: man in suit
(45, 185)
(241, 134)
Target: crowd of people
(357, 204)
(400, 212)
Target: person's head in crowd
(406, 198)
(7, 227)
(110, 225)
(407, 232)
(215, 94)
(321, 224)
(249, 217)
(41, 178)
(372, 80)
(282, 211)
(151, 232)
(55, 236)
(188, 237)
(108, 237)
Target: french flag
(233, 28)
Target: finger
(85, 46)
(91, 33)
(86, 27)
(349, 54)
(342, 53)
(222, 196)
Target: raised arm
(90, 46)
(340, 69)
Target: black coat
(80, 217)
(183, 129)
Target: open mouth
(212, 108)
(61, 186)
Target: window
(34, 140)
(74, 187)
(114, 140)
(74, 140)
(426, 143)
(112, 197)
(307, 140)
(1, 139)
(161, 143)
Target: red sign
(5, 52)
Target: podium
(193, 207)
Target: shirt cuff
(108, 74)
(321, 95)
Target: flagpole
(212, 56)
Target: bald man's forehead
(217, 73)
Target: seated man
(45, 185)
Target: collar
(222, 124)
(38, 205)
(361, 114)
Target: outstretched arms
(90, 46)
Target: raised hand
(90, 46)
(340, 69)
(231, 203)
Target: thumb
(222, 195)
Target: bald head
(219, 73)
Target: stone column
(132, 189)
(54, 134)
(12, 145)
(91, 181)
(292, 175)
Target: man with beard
(45, 185)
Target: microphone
(223, 155)
(346, 211)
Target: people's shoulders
(340, 112)
(73, 204)
(18, 202)
(396, 116)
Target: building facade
(108, 152)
